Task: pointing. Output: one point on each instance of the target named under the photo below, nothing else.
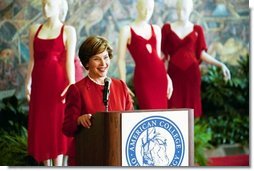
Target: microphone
(106, 91)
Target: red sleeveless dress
(183, 67)
(46, 111)
(150, 76)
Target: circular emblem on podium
(155, 141)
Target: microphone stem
(106, 107)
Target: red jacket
(86, 97)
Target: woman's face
(98, 65)
(50, 8)
(145, 9)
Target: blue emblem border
(179, 154)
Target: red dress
(183, 67)
(46, 111)
(150, 75)
(86, 97)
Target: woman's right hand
(85, 120)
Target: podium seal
(155, 141)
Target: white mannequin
(183, 26)
(141, 27)
(55, 12)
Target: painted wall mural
(225, 22)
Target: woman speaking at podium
(91, 94)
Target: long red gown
(86, 97)
(183, 67)
(46, 111)
(150, 75)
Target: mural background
(225, 22)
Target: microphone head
(107, 80)
(106, 91)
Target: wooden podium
(101, 145)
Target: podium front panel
(157, 138)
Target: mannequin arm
(157, 31)
(28, 80)
(170, 87)
(70, 45)
(210, 60)
(123, 39)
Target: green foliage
(229, 129)
(13, 149)
(226, 104)
(13, 133)
(202, 136)
(13, 115)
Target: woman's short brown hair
(91, 46)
